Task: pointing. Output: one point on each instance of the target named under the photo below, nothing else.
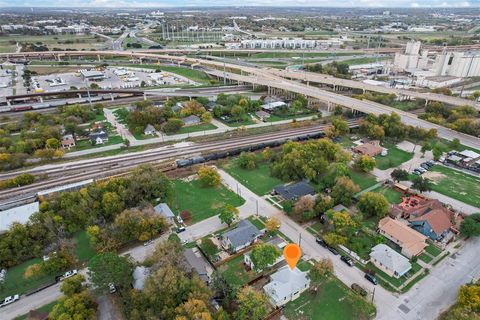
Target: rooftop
(411, 240)
(245, 232)
(390, 259)
(294, 190)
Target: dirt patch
(435, 177)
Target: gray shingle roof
(244, 233)
(193, 119)
(294, 190)
(390, 259)
(164, 210)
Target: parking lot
(110, 78)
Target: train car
(198, 159)
(183, 163)
(41, 106)
(22, 108)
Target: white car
(111, 287)
(9, 299)
(69, 274)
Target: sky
(176, 3)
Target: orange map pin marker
(292, 253)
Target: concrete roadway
(332, 98)
(326, 79)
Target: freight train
(186, 162)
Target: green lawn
(86, 144)
(363, 180)
(304, 266)
(202, 203)
(257, 222)
(257, 180)
(16, 283)
(362, 244)
(45, 308)
(333, 301)
(239, 123)
(364, 60)
(457, 185)
(121, 115)
(385, 279)
(196, 128)
(393, 196)
(83, 248)
(394, 158)
(425, 257)
(235, 273)
(192, 74)
(433, 250)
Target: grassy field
(16, 283)
(235, 273)
(45, 308)
(83, 248)
(257, 180)
(192, 74)
(196, 128)
(457, 185)
(334, 301)
(202, 203)
(393, 196)
(66, 41)
(45, 70)
(239, 123)
(121, 115)
(363, 180)
(394, 158)
(433, 250)
(363, 60)
(86, 144)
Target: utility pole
(224, 72)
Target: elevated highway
(267, 77)
(163, 56)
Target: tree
(193, 309)
(455, 144)
(470, 226)
(247, 160)
(304, 207)
(373, 204)
(365, 163)
(342, 221)
(77, 302)
(209, 177)
(344, 190)
(229, 214)
(437, 152)
(321, 270)
(252, 304)
(72, 285)
(399, 175)
(108, 267)
(422, 184)
(469, 297)
(322, 204)
(272, 224)
(136, 224)
(172, 125)
(52, 143)
(263, 256)
(341, 127)
(206, 117)
(112, 204)
(333, 239)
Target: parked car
(321, 242)
(333, 250)
(416, 172)
(371, 278)
(111, 287)
(422, 170)
(431, 163)
(358, 289)
(347, 260)
(69, 274)
(10, 299)
(181, 229)
(148, 242)
(425, 166)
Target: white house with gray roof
(241, 237)
(164, 210)
(389, 261)
(286, 285)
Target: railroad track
(105, 167)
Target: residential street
(424, 301)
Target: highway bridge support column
(99, 59)
(111, 97)
(144, 96)
(426, 102)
